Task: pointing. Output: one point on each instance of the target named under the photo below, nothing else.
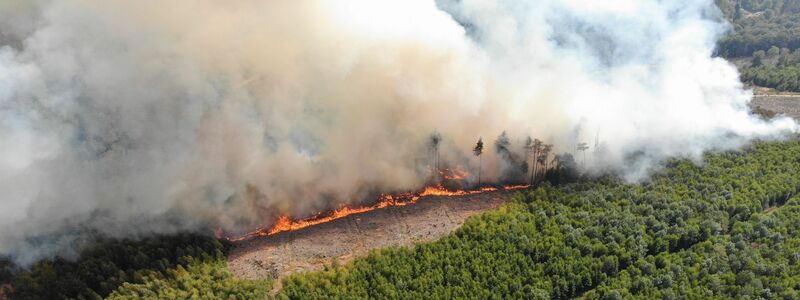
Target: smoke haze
(126, 118)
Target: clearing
(309, 249)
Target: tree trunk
(546, 165)
(533, 170)
(480, 162)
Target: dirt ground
(788, 105)
(780, 103)
(311, 248)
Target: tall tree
(543, 159)
(528, 152)
(528, 146)
(582, 147)
(536, 148)
(502, 145)
(758, 58)
(478, 150)
(435, 140)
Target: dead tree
(478, 150)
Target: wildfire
(441, 191)
(284, 223)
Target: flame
(516, 187)
(285, 223)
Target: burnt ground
(776, 103)
(311, 248)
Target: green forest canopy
(759, 25)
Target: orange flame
(284, 223)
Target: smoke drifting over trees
(125, 118)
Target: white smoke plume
(134, 117)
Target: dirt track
(311, 248)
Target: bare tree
(478, 150)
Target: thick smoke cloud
(126, 118)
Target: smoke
(127, 118)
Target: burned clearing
(343, 239)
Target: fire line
(284, 223)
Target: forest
(728, 227)
(766, 34)
(724, 229)
(759, 25)
(179, 266)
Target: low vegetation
(199, 280)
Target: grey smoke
(127, 118)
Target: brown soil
(311, 248)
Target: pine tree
(478, 150)
(435, 139)
(582, 147)
(537, 148)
